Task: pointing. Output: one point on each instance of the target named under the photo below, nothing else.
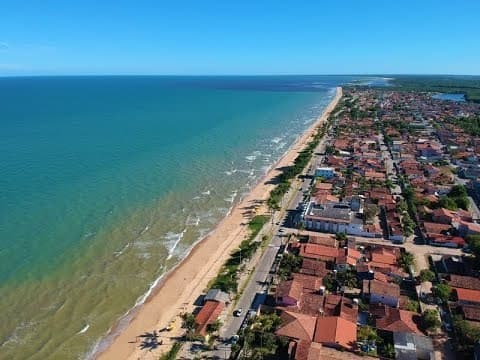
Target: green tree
(189, 324)
(431, 320)
(442, 291)
(447, 203)
(407, 260)
(387, 350)
(458, 191)
(412, 305)
(426, 275)
(467, 335)
(214, 327)
(367, 333)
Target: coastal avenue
(259, 280)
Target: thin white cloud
(4, 45)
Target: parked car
(234, 339)
(238, 312)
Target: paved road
(256, 285)
(261, 274)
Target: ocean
(107, 182)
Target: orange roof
(309, 250)
(384, 256)
(297, 326)
(208, 314)
(398, 320)
(336, 330)
(468, 295)
(323, 186)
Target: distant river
(106, 182)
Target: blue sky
(239, 37)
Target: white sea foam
(196, 198)
(232, 197)
(84, 329)
(206, 192)
(231, 172)
(145, 229)
(250, 158)
(173, 239)
(192, 220)
(276, 140)
(122, 250)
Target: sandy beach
(181, 287)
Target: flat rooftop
(333, 211)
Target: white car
(238, 312)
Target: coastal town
(370, 247)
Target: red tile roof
(208, 314)
(468, 295)
(398, 320)
(318, 251)
(336, 330)
(297, 326)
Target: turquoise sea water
(106, 182)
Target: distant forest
(467, 85)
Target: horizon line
(230, 75)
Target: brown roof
(381, 288)
(323, 240)
(309, 282)
(314, 267)
(398, 320)
(290, 288)
(471, 313)
(336, 330)
(435, 228)
(311, 304)
(297, 326)
(465, 282)
(208, 314)
(348, 310)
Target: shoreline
(176, 290)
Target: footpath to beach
(179, 290)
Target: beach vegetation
(173, 353)
(227, 279)
(290, 172)
(189, 324)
